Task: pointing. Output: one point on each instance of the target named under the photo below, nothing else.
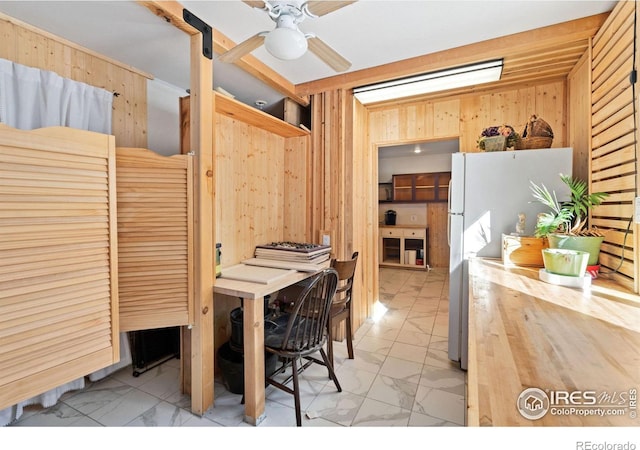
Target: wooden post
(202, 139)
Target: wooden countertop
(525, 333)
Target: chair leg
(332, 374)
(296, 392)
(330, 342)
(349, 337)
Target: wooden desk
(525, 333)
(253, 333)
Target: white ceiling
(368, 33)
(419, 149)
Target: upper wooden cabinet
(421, 187)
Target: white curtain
(32, 98)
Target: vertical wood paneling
(26, 45)
(261, 197)
(341, 186)
(438, 247)
(579, 116)
(365, 220)
(613, 144)
(295, 190)
(463, 116)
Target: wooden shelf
(252, 116)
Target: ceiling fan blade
(328, 55)
(320, 8)
(258, 4)
(242, 49)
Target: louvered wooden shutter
(154, 239)
(58, 257)
(613, 144)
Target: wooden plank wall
(352, 215)
(579, 115)
(341, 169)
(614, 143)
(260, 197)
(29, 46)
(365, 221)
(464, 117)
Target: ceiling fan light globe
(286, 43)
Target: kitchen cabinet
(421, 187)
(404, 247)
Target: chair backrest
(346, 271)
(307, 325)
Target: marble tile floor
(400, 377)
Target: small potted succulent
(565, 224)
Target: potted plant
(565, 224)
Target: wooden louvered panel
(154, 238)
(58, 250)
(612, 143)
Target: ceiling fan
(286, 41)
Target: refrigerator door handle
(449, 229)
(449, 196)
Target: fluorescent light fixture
(441, 80)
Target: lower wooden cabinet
(404, 247)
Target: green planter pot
(589, 244)
(572, 263)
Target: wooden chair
(301, 332)
(341, 307)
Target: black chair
(301, 332)
(341, 307)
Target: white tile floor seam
(400, 376)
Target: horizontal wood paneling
(155, 239)
(613, 147)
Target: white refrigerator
(487, 192)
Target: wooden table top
(579, 348)
(251, 290)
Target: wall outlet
(326, 239)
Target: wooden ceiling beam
(171, 12)
(513, 45)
